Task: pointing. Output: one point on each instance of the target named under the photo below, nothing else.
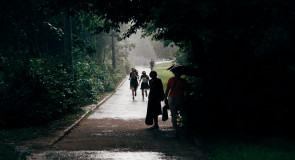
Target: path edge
(93, 106)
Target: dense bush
(41, 79)
(38, 90)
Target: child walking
(144, 79)
(133, 81)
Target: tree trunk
(113, 52)
(68, 41)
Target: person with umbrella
(177, 87)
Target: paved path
(116, 130)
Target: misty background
(146, 49)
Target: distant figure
(177, 87)
(156, 95)
(144, 79)
(133, 81)
(152, 64)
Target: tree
(41, 50)
(68, 41)
(113, 35)
(241, 48)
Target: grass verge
(163, 73)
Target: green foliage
(164, 52)
(89, 112)
(242, 49)
(10, 137)
(182, 57)
(89, 22)
(42, 89)
(21, 134)
(34, 90)
(7, 152)
(261, 149)
(37, 84)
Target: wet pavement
(121, 105)
(116, 130)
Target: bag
(162, 94)
(166, 104)
(164, 113)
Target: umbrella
(185, 70)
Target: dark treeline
(243, 51)
(52, 63)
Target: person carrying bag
(155, 97)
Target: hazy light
(143, 51)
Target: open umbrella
(185, 70)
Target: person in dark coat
(156, 95)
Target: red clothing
(177, 86)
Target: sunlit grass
(160, 65)
(163, 73)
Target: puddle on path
(103, 155)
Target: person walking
(155, 97)
(133, 81)
(152, 64)
(178, 88)
(144, 79)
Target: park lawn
(163, 73)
